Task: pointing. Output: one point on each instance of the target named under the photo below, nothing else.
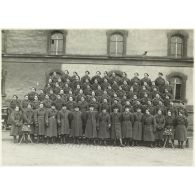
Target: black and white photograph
(97, 97)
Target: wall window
(116, 45)
(3, 78)
(56, 43)
(116, 42)
(178, 82)
(177, 44)
(4, 41)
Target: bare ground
(88, 155)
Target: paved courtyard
(88, 155)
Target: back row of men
(140, 93)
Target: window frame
(184, 36)
(4, 41)
(50, 33)
(124, 34)
(183, 79)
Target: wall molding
(82, 59)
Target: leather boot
(182, 147)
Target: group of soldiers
(110, 110)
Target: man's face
(104, 110)
(115, 110)
(70, 99)
(91, 108)
(77, 109)
(159, 112)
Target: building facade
(28, 56)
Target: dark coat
(24, 104)
(83, 106)
(51, 122)
(16, 119)
(11, 108)
(41, 97)
(104, 106)
(137, 126)
(116, 126)
(40, 120)
(35, 104)
(31, 95)
(125, 87)
(28, 115)
(13, 104)
(173, 110)
(63, 122)
(147, 80)
(76, 124)
(181, 128)
(159, 125)
(160, 83)
(135, 80)
(70, 105)
(127, 124)
(103, 126)
(47, 103)
(91, 124)
(148, 128)
(58, 104)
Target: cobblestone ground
(89, 155)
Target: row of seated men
(117, 93)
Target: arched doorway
(50, 72)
